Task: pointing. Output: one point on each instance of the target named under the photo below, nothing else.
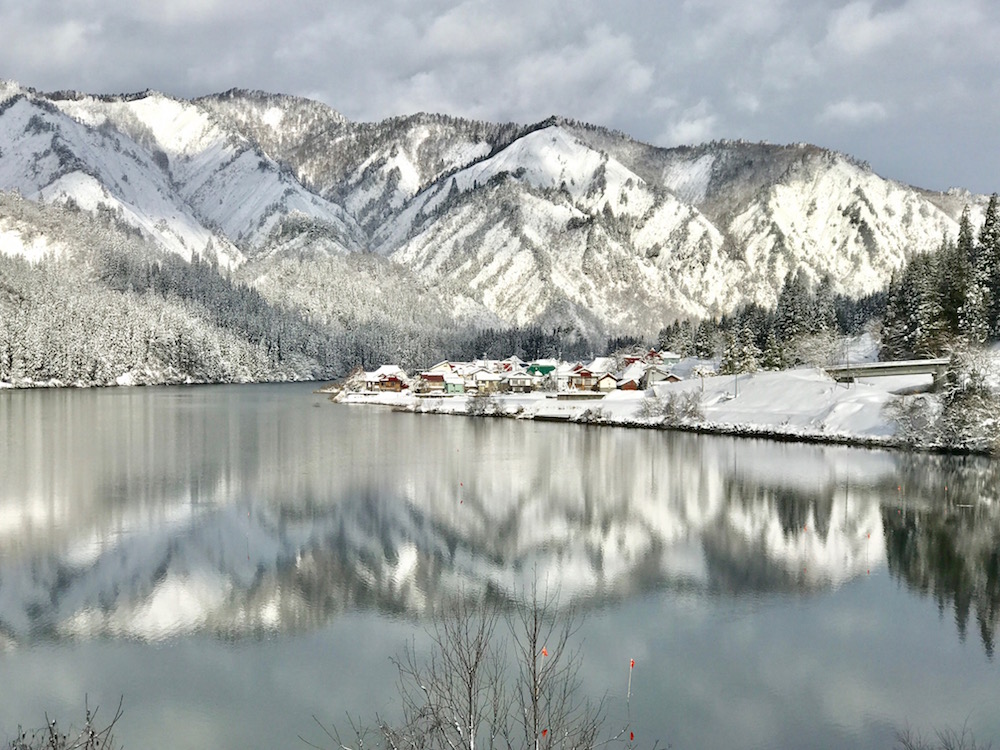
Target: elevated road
(849, 373)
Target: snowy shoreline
(805, 406)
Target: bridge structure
(850, 373)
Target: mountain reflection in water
(154, 513)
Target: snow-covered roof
(601, 364)
(386, 371)
(485, 375)
(521, 374)
(634, 371)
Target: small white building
(483, 380)
(521, 381)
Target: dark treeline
(939, 298)
(528, 343)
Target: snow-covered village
(635, 371)
(863, 404)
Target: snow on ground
(804, 403)
(857, 350)
(13, 243)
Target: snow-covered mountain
(558, 224)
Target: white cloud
(60, 45)
(857, 30)
(693, 125)
(475, 29)
(852, 112)
(788, 63)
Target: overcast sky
(911, 86)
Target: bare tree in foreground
(947, 739)
(92, 736)
(496, 680)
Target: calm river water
(234, 560)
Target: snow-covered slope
(226, 179)
(832, 216)
(48, 157)
(557, 223)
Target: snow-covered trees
(963, 415)
(988, 270)
(800, 329)
(915, 319)
(57, 325)
(794, 311)
(741, 353)
(940, 298)
(970, 402)
(112, 308)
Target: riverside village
(854, 400)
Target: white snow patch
(272, 117)
(689, 180)
(179, 604)
(12, 244)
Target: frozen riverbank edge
(803, 405)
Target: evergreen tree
(749, 352)
(741, 353)
(729, 363)
(989, 265)
(678, 337)
(792, 313)
(974, 320)
(825, 316)
(773, 357)
(914, 323)
(956, 273)
(705, 339)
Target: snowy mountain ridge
(557, 224)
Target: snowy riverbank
(803, 404)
